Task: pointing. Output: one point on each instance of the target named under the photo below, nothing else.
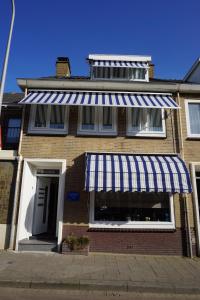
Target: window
(48, 119)
(13, 130)
(88, 118)
(145, 122)
(97, 120)
(193, 118)
(131, 210)
(120, 73)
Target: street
(44, 294)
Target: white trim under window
(131, 224)
(45, 126)
(143, 128)
(97, 120)
(196, 121)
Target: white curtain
(41, 116)
(136, 118)
(107, 117)
(57, 116)
(88, 117)
(155, 119)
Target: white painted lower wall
(4, 235)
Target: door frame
(30, 169)
(193, 170)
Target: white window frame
(47, 129)
(131, 132)
(146, 79)
(189, 133)
(131, 224)
(98, 123)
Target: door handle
(40, 204)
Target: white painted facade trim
(131, 224)
(28, 190)
(135, 58)
(187, 102)
(193, 166)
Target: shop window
(134, 210)
(193, 118)
(97, 120)
(145, 122)
(48, 119)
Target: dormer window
(129, 68)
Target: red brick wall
(134, 242)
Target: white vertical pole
(3, 77)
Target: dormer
(193, 75)
(119, 67)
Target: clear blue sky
(169, 31)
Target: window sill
(90, 133)
(146, 135)
(193, 137)
(47, 132)
(141, 226)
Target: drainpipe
(17, 188)
(185, 196)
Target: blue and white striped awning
(136, 173)
(100, 99)
(119, 64)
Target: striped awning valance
(100, 99)
(136, 173)
(119, 64)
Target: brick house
(10, 132)
(108, 156)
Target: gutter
(105, 85)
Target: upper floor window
(11, 133)
(145, 122)
(48, 119)
(193, 118)
(120, 73)
(97, 120)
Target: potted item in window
(128, 218)
(73, 244)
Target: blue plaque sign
(73, 196)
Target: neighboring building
(104, 156)
(10, 132)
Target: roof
(192, 70)
(12, 98)
(79, 78)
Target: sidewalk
(162, 274)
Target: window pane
(41, 116)
(13, 130)
(194, 114)
(136, 118)
(116, 72)
(137, 73)
(124, 207)
(88, 117)
(57, 117)
(107, 117)
(155, 119)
